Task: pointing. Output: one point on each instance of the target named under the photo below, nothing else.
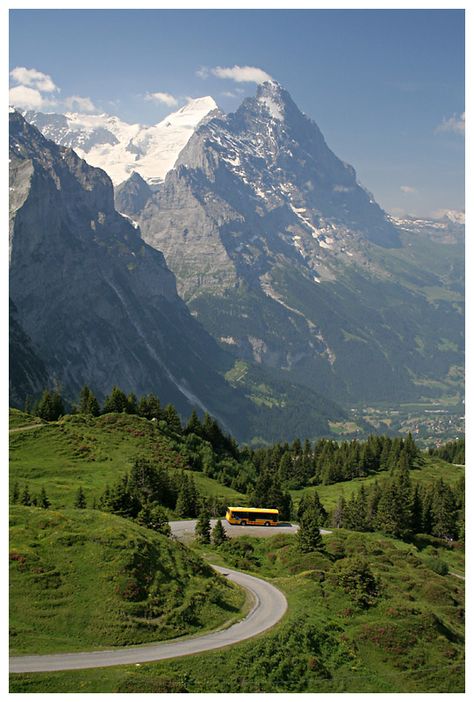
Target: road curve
(269, 607)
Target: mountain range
(292, 284)
(93, 303)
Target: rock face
(28, 374)
(100, 306)
(289, 262)
(132, 195)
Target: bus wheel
(267, 524)
(243, 523)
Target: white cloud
(241, 74)
(34, 79)
(76, 103)
(202, 72)
(164, 98)
(27, 98)
(455, 124)
(456, 216)
(407, 189)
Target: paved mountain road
(269, 606)
(184, 530)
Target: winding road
(269, 607)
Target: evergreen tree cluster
(452, 452)
(24, 497)
(327, 461)
(401, 509)
(49, 407)
(148, 490)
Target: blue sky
(385, 87)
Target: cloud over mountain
(240, 74)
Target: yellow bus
(252, 516)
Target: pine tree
(373, 500)
(308, 536)
(219, 534)
(388, 511)
(57, 405)
(43, 499)
(84, 399)
(194, 425)
(104, 500)
(150, 483)
(149, 407)
(187, 503)
(427, 500)
(411, 449)
(88, 402)
(122, 500)
(154, 517)
(132, 404)
(93, 407)
(172, 419)
(116, 401)
(45, 407)
(15, 494)
(339, 513)
(312, 501)
(80, 499)
(417, 510)
(285, 469)
(444, 511)
(26, 497)
(203, 528)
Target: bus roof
(254, 509)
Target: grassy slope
(19, 419)
(82, 579)
(410, 641)
(88, 452)
(430, 469)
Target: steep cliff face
(290, 263)
(28, 374)
(99, 304)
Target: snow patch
(272, 107)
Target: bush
(357, 580)
(437, 566)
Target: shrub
(354, 576)
(437, 566)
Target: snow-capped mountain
(92, 303)
(289, 262)
(120, 148)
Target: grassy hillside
(20, 420)
(409, 638)
(82, 579)
(93, 452)
(429, 470)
